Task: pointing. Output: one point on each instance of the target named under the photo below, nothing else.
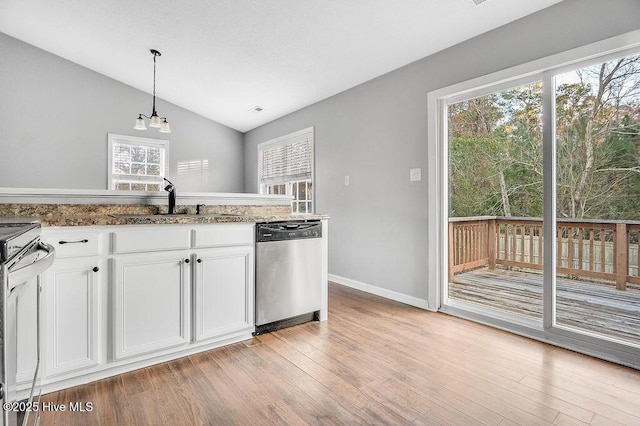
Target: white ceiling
(221, 58)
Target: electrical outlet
(347, 180)
(415, 175)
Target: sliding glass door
(495, 200)
(598, 198)
(542, 222)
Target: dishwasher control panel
(289, 230)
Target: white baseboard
(378, 291)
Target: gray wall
(377, 131)
(55, 116)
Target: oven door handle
(21, 275)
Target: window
(285, 166)
(137, 164)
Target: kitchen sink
(151, 216)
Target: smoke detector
(256, 108)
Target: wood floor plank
(599, 420)
(225, 399)
(629, 384)
(498, 404)
(564, 420)
(445, 404)
(343, 390)
(375, 362)
(591, 402)
(409, 367)
(610, 395)
(498, 384)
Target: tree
(496, 147)
(496, 163)
(591, 135)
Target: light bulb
(140, 124)
(155, 120)
(164, 127)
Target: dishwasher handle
(278, 228)
(291, 230)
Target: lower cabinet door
(223, 292)
(72, 294)
(151, 302)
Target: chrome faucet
(171, 189)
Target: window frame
(263, 188)
(544, 70)
(113, 139)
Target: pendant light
(155, 120)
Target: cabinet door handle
(199, 260)
(186, 261)
(96, 269)
(73, 242)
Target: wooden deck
(580, 304)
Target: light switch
(347, 180)
(415, 175)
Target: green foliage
(508, 147)
(495, 147)
(474, 175)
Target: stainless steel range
(23, 257)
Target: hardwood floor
(374, 362)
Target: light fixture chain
(154, 85)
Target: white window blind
(286, 159)
(285, 166)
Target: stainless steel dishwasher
(288, 273)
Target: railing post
(492, 243)
(451, 258)
(622, 256)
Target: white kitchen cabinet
(72, 291)
(151, 302)
(73, 304)
(223, 292)
(123, 297)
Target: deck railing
(605, 250)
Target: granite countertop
(109, 215)
(110, 220)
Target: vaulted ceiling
(222, 58)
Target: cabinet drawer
(155, 238)
(223, 235)
(74, 244)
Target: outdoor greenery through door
(496, 173)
